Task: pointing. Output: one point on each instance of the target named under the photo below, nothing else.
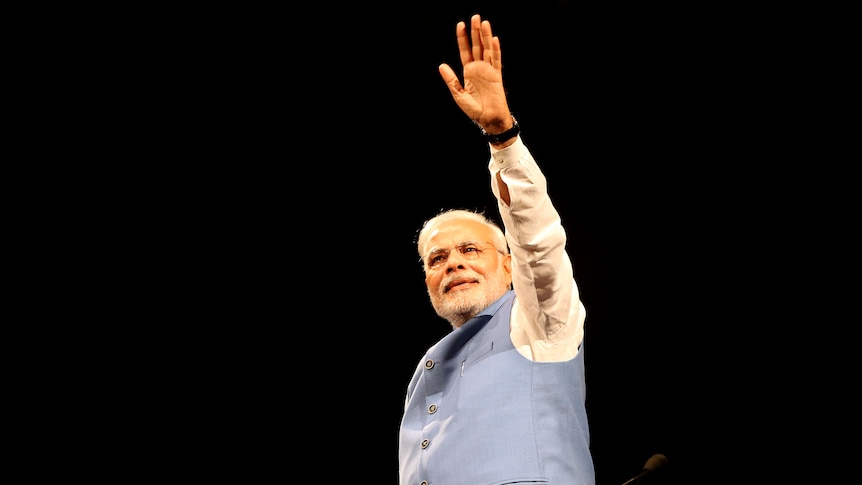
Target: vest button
(429, 364)
(432, 409)
(425, 444)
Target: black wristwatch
(505, 136)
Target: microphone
(654, 463)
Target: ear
(507, 266)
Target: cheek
(487, 267)
(432, 280)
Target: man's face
(461, 287)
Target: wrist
(498, 138)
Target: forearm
(543, 277)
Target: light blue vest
(479, 413)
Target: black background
(324, 137)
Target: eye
(469, 248)
(436, 258)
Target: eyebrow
(434, 249)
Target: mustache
(444, 285)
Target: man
(500, 399)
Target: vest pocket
(476, 356)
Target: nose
(451, 262)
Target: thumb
(450, 78)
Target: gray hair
(499, 239)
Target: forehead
(450, 233)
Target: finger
(450, 78)
(463, 43)
(487, 41)
(476, 35)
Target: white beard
(461, 305)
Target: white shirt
(548, 316)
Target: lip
(460, 284)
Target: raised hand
(482, 96)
